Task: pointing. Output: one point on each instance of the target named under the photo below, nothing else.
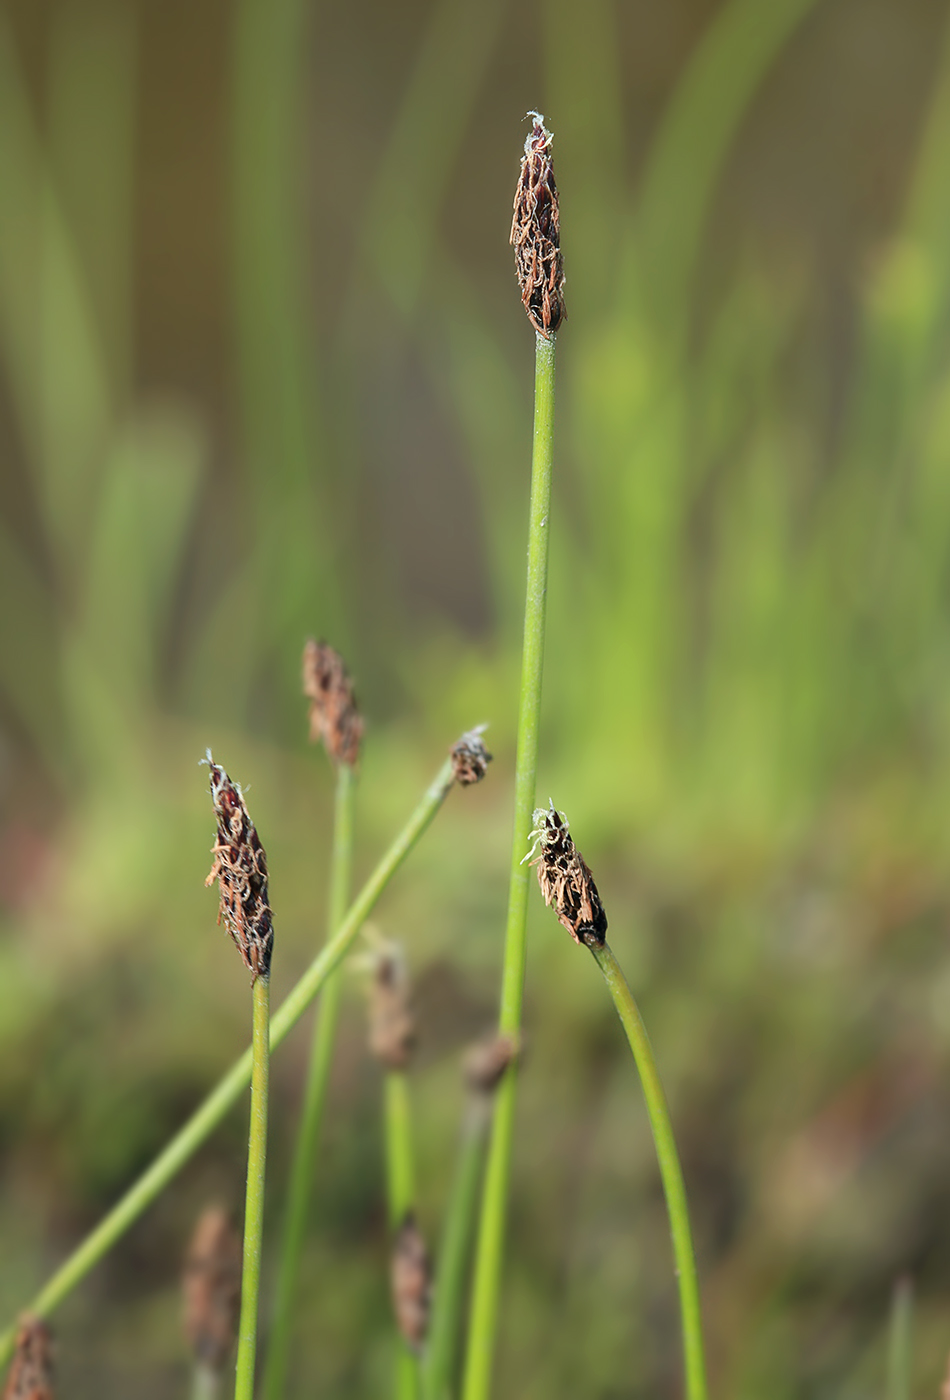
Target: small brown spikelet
(945, 1388)
(470, 758)
(31, 1374)
(565, 879)
(392, 1026)
(240, 868)
(334, 714)
(411, 1280)
(211, 1288)
(486, 1061)
(535, 234)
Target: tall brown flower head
(334, 714)
(31, 1373)
(565, 880)
(535, 234)
(211, 1288)
(240, 868)
(411, 1279)
(470, 758)
(392, 1025)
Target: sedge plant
(536, 240)
(240, 868)
(568, 886)
(335, 719)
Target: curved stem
(485, 1293)
(670, 1170)
(229, 1089)
(308, 1134)
(254, 1200)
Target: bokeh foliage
(745, 705)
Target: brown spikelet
(945, 1388)
(535, 234)
(211, 1288)
(470, 758)
(240, 868)
(411, 1280)
(392, 1026)
(565, 880)
(486, 1061)
(31, 1373)
(334, 715)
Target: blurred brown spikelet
(392, 1026)
(240, 868)
(486, 1061)
(31, 1372)
(211, 1288)
(411, 1279)
(566, 882)
(470, 758)
(334, 714)
(535, 234)
(945, 1388)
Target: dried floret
(240, 868)
(334, 714)
(535, 234)
(565, 880)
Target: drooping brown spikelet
(470, 758)
(486, 1061)
(211, 1288)
(565, 880)
(392, 1026)
(535, 234)
(411, 1279)
(31, 1373)
(240, 868)
(334, 715)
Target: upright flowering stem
(535, 238)
(254, 1200)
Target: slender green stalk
(205, 1383)
(254, 1200)
(670, 1170)
(311, 1118)
(899, 1347)
(401, 1193)
(229, 1089)
(487, 1283)
(439, 1364)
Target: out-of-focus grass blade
(900, 1356)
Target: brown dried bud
(31, 1374)
(211, 1287)
(470, 758)
(486, 1061)
(240, 868)
(334, 715)
(411, 1280)
(565, 880)
(535, 234)
(392, 1026)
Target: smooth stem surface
(226, 1093)
(488, 1262)
(401, 1194)
(303, 1169)
(899, 1348)
(254, 1199)
(439, 1365)
(670, 1170)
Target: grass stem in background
(401, 1194)
(254, 1201)
(670, 1170)
(308, 1136)
(229, 1089)
(899, 1343)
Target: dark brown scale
(535, 235)
(566, 882)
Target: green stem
(439, 1364)
(486, 1288)
(205, 1383)
(899, 1348)
(226, 1093)
(303, 1169)
(254, 1200)
(401, 1192)
(670, 1170)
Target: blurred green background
(264, 374)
